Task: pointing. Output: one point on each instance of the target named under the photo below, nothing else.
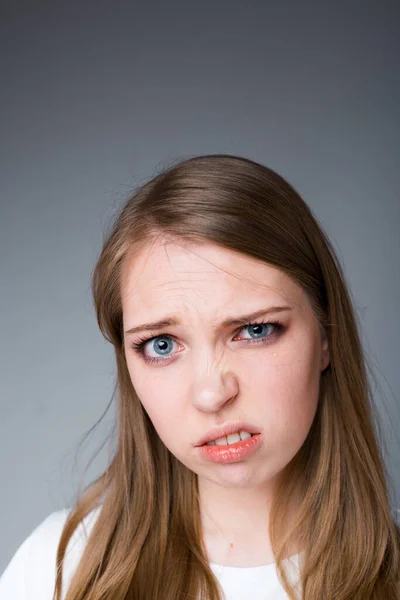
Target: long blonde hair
(147, 542)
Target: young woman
(247, 463)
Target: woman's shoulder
(32, 569)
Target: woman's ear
(325, 355)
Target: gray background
(95, 97)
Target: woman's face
(209, 374)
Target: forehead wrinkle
(192, 251)
(185, 245)
(179, 282)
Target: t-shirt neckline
(257, 568)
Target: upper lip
(218, 432)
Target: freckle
(231, 545)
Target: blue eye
(162, 345)
(258, 325)
(164, 341)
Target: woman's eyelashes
(165, 341)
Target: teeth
(221, 441)
(233, 438)
(230, 439)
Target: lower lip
(231, 453)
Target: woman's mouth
(226, 452)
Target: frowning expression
(208, 367)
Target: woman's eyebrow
(242, 320)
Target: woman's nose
(212, 392)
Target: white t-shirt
(30, 575)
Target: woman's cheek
(160, 405)
(302, 406)
(291, 387)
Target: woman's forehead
(174, 276)
(164, 265)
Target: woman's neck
(235, 525)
